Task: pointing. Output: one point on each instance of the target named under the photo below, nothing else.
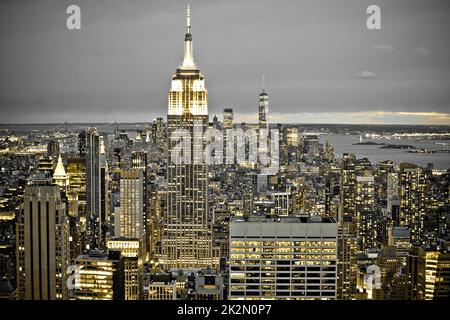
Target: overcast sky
(321, 62)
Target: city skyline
(321, 66)
(192, 207)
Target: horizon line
(273, 123)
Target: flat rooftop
(283, 219)
(283, 227)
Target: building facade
(283, 258)
(129, 223)
(42, 243)
(100, 276)
(186, 240)
(96, 190)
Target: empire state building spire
(186, 242)
(188, 60)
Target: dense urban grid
(107, 213)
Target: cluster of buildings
(99, 215)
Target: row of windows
(305, 294)
(274, 243)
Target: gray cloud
(384, 47)
(366, 75)
(120, 64)
(422, 51)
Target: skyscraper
(228, 124)
(413, 184)
(96, 189)
(292, 136)
(131, 251)
(160, 136)
(263, 111)
(365, 212)
(139, 161)
(186, 240)
(348, 185)
(42, 243)
(347, 262)
(76, 171)
(82, 144)
(391, 191)
(129, 223)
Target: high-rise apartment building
(347, 262)
(130, 220)
(348, 185)
(413, 185)
(366, 221)
(392, 192)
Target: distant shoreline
(250, 123)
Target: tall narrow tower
(42, 242)
(186, 241)
(263, 108)
(96, 189)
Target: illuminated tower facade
(129, 223)
(435, 275)
(413, 186)
(186, 239)
(76, 171)
(348, 185)
(347, 268)
(59, 176)
(366, 222)
(101, 276)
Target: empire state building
(186, 241)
